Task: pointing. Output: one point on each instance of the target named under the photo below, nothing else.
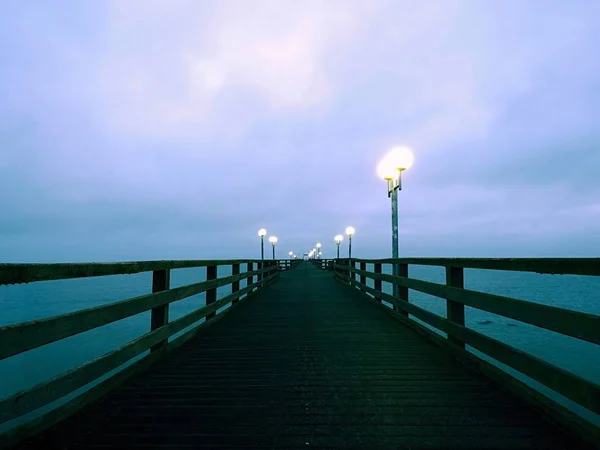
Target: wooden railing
(579, 325)
(19, 338)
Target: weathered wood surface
(573, 266)
(28, 273)
(574, 387)
(308, 363)
(573, 323)
(28, 335)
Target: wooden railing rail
(583, 326)
(18, 338)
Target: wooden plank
(67, 382)
(28, 273)
(557, 266)
(160, 314)
(26, 336)
(455, 312)
(572, 323)
(211, 294)
(577, 389)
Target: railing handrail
(21, 337)
(580, 325)
(16, 273)
(580, 390)
(555, 266)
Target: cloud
(196, 119)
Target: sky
(137, 130)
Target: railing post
(211, 294)
(377, 283)
(402, 270)
(235, 286)
(259, 266)
(363, 278)
(160, 315)
(455, 312)
(250, 278)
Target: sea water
(25, 302)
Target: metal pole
(349, 246)
(273, 251)
(395, 236)
(262, 247)
(338, 250)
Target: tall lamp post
(262, 233)
(390, 169)
(338, 240)
(319, 250)
(273, 241)
(350, 231)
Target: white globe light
(339, 238)
(290, 253)
(400, 158)
(273, 240)
(318, 245)
(262, 232)
(386, 169)
(350, 231)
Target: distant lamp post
(262, 233)
(350, 231)
(273, 241)
(291, 254)
(390, 169)
(338, 240)
(319, 250)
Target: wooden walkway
(307, 363)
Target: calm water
(25, 302)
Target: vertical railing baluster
(211, 294)
(377, 283)
(249, 279)
(402, 290)
(363, 278)
(260, 276)
(455, 312)
(160, 314)
(235, 286)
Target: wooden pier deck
(307, 362)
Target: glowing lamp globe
(339, 238)
(400, 158)
(262, 232)
(350, 231)
(273, 240)
(386, 169)
(318, 245)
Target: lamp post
(338, 240)
(350, 231)
(291, 254)
(319, 250)
(390, 169)
(262, 233)
(273, 241)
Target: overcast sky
(176, 129)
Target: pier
(305, 354)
